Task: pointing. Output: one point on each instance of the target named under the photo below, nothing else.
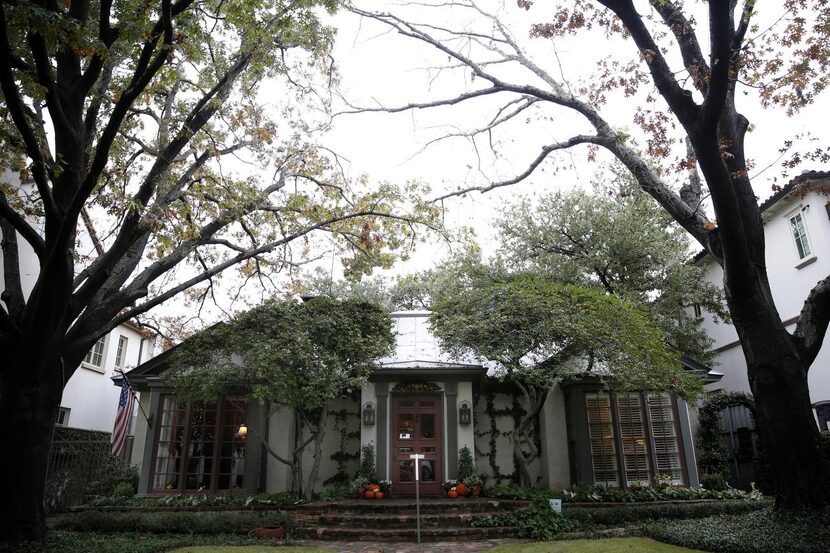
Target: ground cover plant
(61, 541)
(234, 522)
(758, 532)
(633, 494)
(611, 545)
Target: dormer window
(799, 232)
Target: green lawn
(249, 549)
(609, 545)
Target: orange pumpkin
(461, 488)
(378, 495)
(369, 494)
(452, 494)
(374, 488)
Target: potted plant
(473, 483)
(385, 487)
(359, 486)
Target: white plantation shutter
(666, 440)
(633, 439)
(601, 435)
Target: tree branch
(813, 321)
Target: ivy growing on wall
(515, 412)
(349, 447)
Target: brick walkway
(441, 547)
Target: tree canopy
(618, 240)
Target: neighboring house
(417, 401)
(89, 399)
(797, 233)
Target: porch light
(465, 413)
(242, 432)
(369, 414)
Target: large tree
(145, 157)
(533, 332)
(616, 239)
(680, 73)
(287, 355)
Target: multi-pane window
(601, 434)
(121, 352)
(802, 241)
(633, 439)
(200, 446)
(95, 357)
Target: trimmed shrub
(537, 523)
(757, 532)
(713, 481)
(61, 541)
(227, 522)
(626, 514)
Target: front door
(416, 428)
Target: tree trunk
(778, 379)
(319, 433)
(523, 464)
(28, 406)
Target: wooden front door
(417, 428)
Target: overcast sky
(379, 67)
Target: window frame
(810, 256)
(121, 354)
(63, 421)
(104, 341)
(220, 410)
(650, 447)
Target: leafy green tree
(616, 239)
(680, 73)
(141, 161)
(287, 355)
(402, 293)
(533, 332)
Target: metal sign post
(417, 458)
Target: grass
(609, 545)
(250, 549)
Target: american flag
(122, 418)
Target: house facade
(419, 401)
(797, 232)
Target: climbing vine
(714, 459)
(348, 449)
(515, 411)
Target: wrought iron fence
(80, 469)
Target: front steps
(393, 520)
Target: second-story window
(95, 357)
(121, 353)
(802, 241)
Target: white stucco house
(417, 401)
(797, 232)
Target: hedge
(223, 522)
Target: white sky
(378, 66)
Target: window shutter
(666, 440)
(633, 439)
(601, 435)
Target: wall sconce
(242, 432)
(369, 414)
(465, 413)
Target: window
(200, 446)
(802, 241)
(121, 353)
(95, 357)
(633, 439)
(697, 310)
(63, 416)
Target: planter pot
(277, 532)
(476, 491)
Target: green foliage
(538, 523)
(619, 240)
(625, 515)
(712, 456)
(755, 532)
(65, 541)
(196, 501)
(713, 481)
(536, 331)
(298, 355)
(215, 522)
(367, 468)
(338, 491)
(466, 468)
(634, 494)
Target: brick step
(405, 506)
(395, 520)
(340, 533)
